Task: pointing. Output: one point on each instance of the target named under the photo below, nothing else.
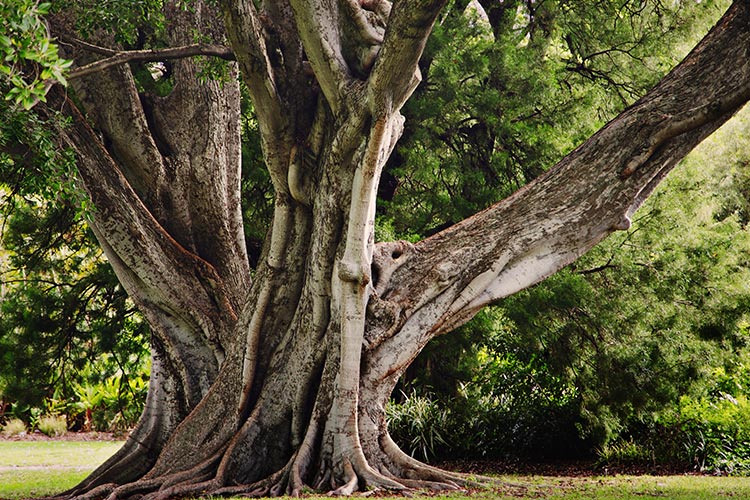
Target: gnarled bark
(269, 385)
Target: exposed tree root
(100, 491)
(396, 472)
(115, 466)
(131, 461)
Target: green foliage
(418, 423)
(65, 321)
(14, 427)
(709, 430)
(29, 60)
(623, 452)
(655, 315)
(52, 425)
(485, 400)
(113, 404)
(132, 23)
(717, 433)
(31, 162)
(500, 103)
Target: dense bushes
(477, 426)
(109, 405)
(709, 432)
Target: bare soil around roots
(566, 468)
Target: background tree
(66, 322)
(295, 362)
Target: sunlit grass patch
(31, 469)
(34, 483)
(56, 453)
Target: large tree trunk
(271, 384)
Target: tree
(270, 380)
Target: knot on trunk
(386, 258)
(382, 321)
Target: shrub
(710, 434)
(14, 427)
(52, 425)
(417, 425)
(623, 452)
(718, 432)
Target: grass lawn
(626, 487)
(33, 469)
(39, 468)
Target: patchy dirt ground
(567, 468)
(69, 436)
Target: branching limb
(395, 74)
(319, 28)
(247, 35)
(153, 55)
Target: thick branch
(562, 214)
(318, 24)
(689, 120)
(149, 55)
(395, 74)
(246, 34)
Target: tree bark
(270, 384)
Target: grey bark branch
(687, 121)
(318, 23)
(246, 34)
(90, 47)
(395, 74)
(154, 55)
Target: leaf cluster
(30, 60)
(62, 307)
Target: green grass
(33, 469)
(603, 488)
(628, 487)
(40, 468)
